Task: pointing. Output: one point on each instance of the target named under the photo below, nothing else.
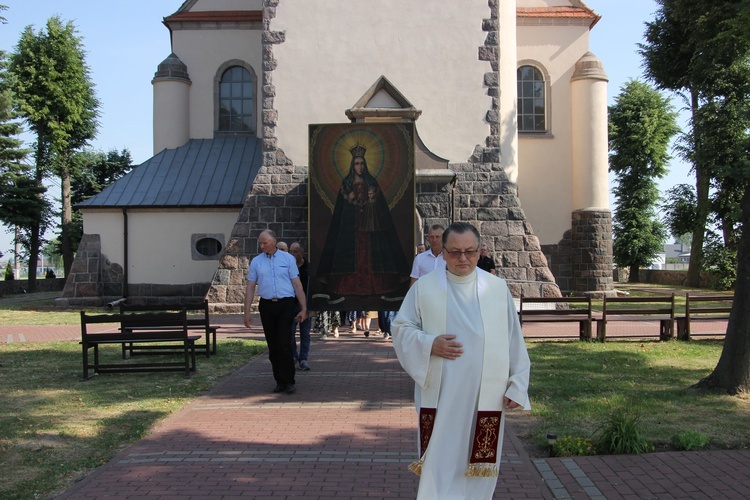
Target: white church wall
(160, 242)
(204, 52)
(108, 224)
(335, 50)
(545, 166)
(164, 250)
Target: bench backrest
(708, 305)
(662, 305)
(192, 320)
(570, 310)
(137, 326)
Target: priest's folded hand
(510, 404)
(444, 346)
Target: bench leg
(213, 350)
(666, 329)
(186, 350)
(601, 330)
(85, 352)
(683, 329)
(584, 330)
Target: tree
(21, 201)
(689, 50)
(679, 211)
(57, 100)
(94, 170)
(641, 124)
(711, 41)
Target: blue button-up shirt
(274, 274)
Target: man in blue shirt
(276, 275)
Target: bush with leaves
(689, 440)
(620, 433)
(569, 446)
(721, 261)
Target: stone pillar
(591, 252)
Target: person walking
(431, 259)
(276, 276)
(304, 326)
(458, 336)
(486, 263)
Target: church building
(508, 102)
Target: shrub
(9, 272)
(620, 433)
(689, 440)
(569, 446)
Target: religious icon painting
(361, 209)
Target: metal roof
(215, 172)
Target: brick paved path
(348, 432)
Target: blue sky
(125, 41)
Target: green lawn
(54, 428)
(575, 385)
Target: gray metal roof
(203, 173)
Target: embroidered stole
(487, 440)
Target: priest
(458, 336)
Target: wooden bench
(703, 308)
(563, 309)
(169, 329)
(660, 309)
(196, 322)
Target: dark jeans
(304, 337)
(278, 323)
(384, 320)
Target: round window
(208, 247)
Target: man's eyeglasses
(458, 253)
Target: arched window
(531, 100)
(236, 103)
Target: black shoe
(279, 388)
(290, 389)
(367, 333)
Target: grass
(54, 428)
(576, 386)
(28, 313)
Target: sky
(126, 40)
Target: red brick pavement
(349, 432)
